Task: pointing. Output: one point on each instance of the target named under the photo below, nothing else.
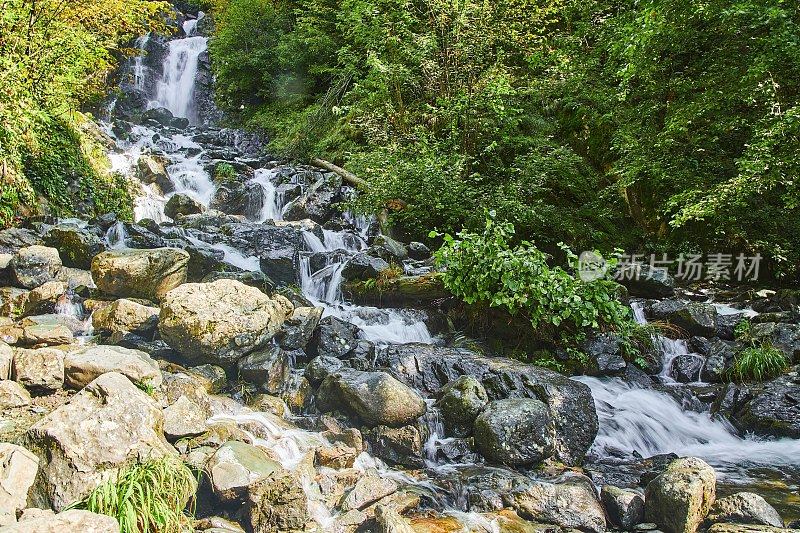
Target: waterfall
(176, 87)
(139, 68)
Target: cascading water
(175, 91)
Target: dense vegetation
(599, 123)
(54, 57)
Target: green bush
(759, 363)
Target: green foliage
(224, 173)
(758, 363)
(486, 268)
(147, 497)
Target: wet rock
(183, 419)
(40, 370)
(165, 118)
(239, 198)
(320, 368)
(625, 508)
(514, 432)
(418, 251)
(12, 301)
(182, 205)
(605, 352)
(105, 427)
(695, 318)
(744, 508)
(186, 384)
(46, 334)
(72, 521)
(376, 397)
(785, 337)
(398, 446)
(775, 410)
(296, 392)
(338, 456)
(124, 316)
(251, 279)
(276, 504)
(461, 401)
(44, 298)
(218, 322)
(18, 469)
(679, 499)
(12, 394)
(333, 338)
(152, 170)
(390, 521)
(213, 375)
(573, 419)
(317, 203)
(299, 328)
(34, 265)
(267, 369)
(644, 281)
(570, 503)
(390, 249)
(236, 466)
(687, 368)
(726, 325)
(369, 489)
(268, 404)
(76, 246)
(363, 266)
(719, 359)
(12, 239)
(147, 274)
(83, 366)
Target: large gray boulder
(72, 521)
(83, 366)
(35, 265)
(40, 370)
(744, 508)
(184, 418)
(277, 503)
(679, 499)
(573, 420)
(105, 427)
(298, 328)
(147, 274)
(182, 205)
(774, 409)
(376, 397)
(695, 318)
(268, 369)
(219, 322)
(18, 468)
(514, 432)
(76, 246)
(570, 503)
(461, 402)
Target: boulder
(645, 282)
(182, 205)
(363, 266)
(514, 432)
(605, 354)
(219, 322)
(276, 504)
(376, 397)
(397, 446)
(680, 497)
(83, 366)
(6, 360)
(785, 337)
(573, 419)
(333, 338)
(76, 246)
(299, 328)
(744, 508)
(18, 469)
(418, 251)
(390, 521)
(40, 370)
(461, 401)
(320, 368)
(742, 528)
(687, 368)
(183, 419)
(12, 394)
(72, 521)
(49, 334)
(625, 508)
(124, 316)
(12, 301)
(35, 265)
(12, 239)
(775, 409)
(694, 318)
(44, 298)
(105, 427)
(267, 369)
(570, 503)
(368, 489)
(719, 359)
(147, 274)
(236, 466)
(213, 375)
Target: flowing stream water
(633, 420)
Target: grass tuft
(759, 363)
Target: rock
(775, 410)
(573, 419)
(6, 360)
(76, 246)
(72, 521)
(605, 352)
(645, 282)
(741, 528)
(44, 298)
(338, 456)
(514, 432)
(570, 503)
(46, 334)
(40, 370)
(12, 239)
(165, 118)
(679, 498)
(461, 402)
(105, 427)
(418, 251)
(363, 266)
(18, 469)
(218, 322)
(390, 521)
(333, 338)
(719, 359)
(320, 368)
(404, 291)
(368, 489)
(251, 279)
(744, 508)
(76, 278)
(299, 328)
(12, 301)
(398, 446)
(182, 205)
(35, 265)
(268, 404)
(785, 337)
(83, 366)
(124, 316)
(687, 368)
(183, 419)
(694, 318)
(395, 249)
(12, 394)
(625, 507)
(276, 504)
(236, 466)
(296, 392)
(267, 369)
(317, 203)
(376, 397)
(214, 375)
(147, 274)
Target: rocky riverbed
(306, 365)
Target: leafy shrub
(148, 496)
(224, 173)
(759, 363)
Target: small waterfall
(139, 68)
(116, 236)
(273, 202)
(176, 87)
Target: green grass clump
(759, 363)
(148, 497)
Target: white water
(175, 91)
(139, 69)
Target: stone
(785, 337)
(397, 446)
(35, 265)
(299, 328)
(72, 521)
(182, 205)
(105, 427)
(514, 432)
(605, 354)
(742, 528)
(148, 274)
(719, 360)
(12, 395)
(694, 318)
(47, 334)
(687, 368)
(645, 281)
(218, 322)
(337, 456)
(183, 419)
(744, 508)
(40, 370)
(268, 404)
(570, 503)
(44, 298)
(18, 469)
(214, 375)
(124, 316)
(6, 360)
(76, 246)
(276, 504)
(236, 466)
(334, 338)
(461, 401)
(320, 368)
(267, 369)
(83, 366)
(625, 508)
(680, 497)
(368, 489)
(363, 266)
(418, 251)
(390, 521)
(12, 301)
(376, 397)
(152, 170)
(775, 409)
